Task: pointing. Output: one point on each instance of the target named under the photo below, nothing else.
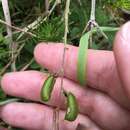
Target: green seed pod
(82, 59)
(47, 88)
(83, 52)
(72, 107)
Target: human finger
(39, 117)
(101, 68)
(98, 106)
(122, 56)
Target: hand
(104, 103)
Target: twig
(66, 15)
(65, 40)
(16, 28)
(92, 22)
(27, 65)
(5, 68)
(11, 61)
(9, 31)
(61, 71)
(7, 17)
(47, 5)
(53, 7)
(92, 16)
(31, 26)
(39, 20)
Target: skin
(104, 103)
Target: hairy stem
(66, 15)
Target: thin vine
(62, 69)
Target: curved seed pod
(83, 50)
(82, 59)
(72, 107)
(47, 88)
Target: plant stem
(39, 20)
(11, 61)
(7, 17)
(9, 31)
(92, 22)
(93, 4)
(66, 15)
(27, 65)
(16, 28)
(47, 5)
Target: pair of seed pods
(72, 106)
(47, 88)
